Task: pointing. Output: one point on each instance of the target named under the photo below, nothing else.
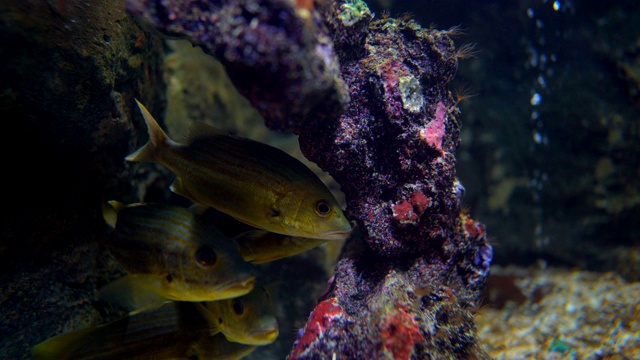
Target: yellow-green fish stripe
(221, 170)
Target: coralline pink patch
(434, 133)
(400, 333)
(411, 210)
(390, 71)
(420, 202)
(321, 317)
(403, 212)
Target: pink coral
(400, 333)
(403, 212)
(434, 133)
(409, 211)
(319, 320)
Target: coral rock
(276, 52)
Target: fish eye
(205, 256)
(238, 307)
(323, 208)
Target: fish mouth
(239, 289)
(265, 336)
(336, 235)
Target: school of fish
(186, 280)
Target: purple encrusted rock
(409, 280)
(276, 52)
(392, 149)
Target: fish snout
(336, 235)
(246, 285)
(265, 335)
(237, 288)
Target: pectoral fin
(135, 293)
(211, 319)
(199, 208)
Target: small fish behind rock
(171, 253)
(259, 246)
(248, 319)
(255, 183)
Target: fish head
(247, 319)
(195, 261)
(211, 268)
(317, 215)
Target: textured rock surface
(410, 285)
(274, 51)
(68, 74)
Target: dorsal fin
(156, 138)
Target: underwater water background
(549, 158)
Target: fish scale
(221, 170)
(156, 236)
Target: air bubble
(536, 99)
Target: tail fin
(62, 346)
(156, 137)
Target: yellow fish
(171, 253)
(259, 246)
(248, 319)
(174, 331)
(253, 182)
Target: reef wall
(369, 101)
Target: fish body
(171, 252)
(253, 182)
(259, 246)
(247, 319)
(173, 331)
